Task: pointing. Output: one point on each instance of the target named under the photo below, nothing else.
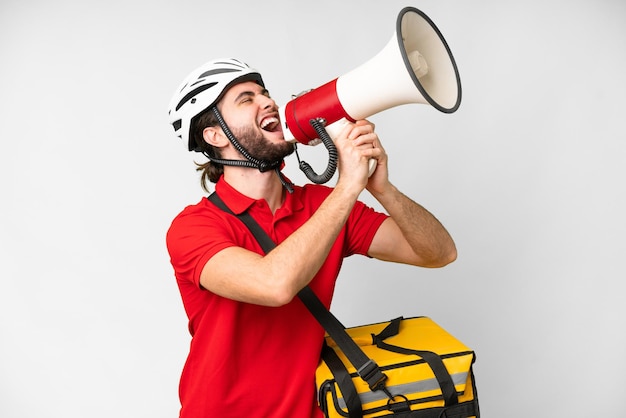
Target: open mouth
(271, 124)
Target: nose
(267, 102)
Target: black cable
(318, 125)
(261, 165)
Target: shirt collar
(239, 203)
(235, 201)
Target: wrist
(346, 192)
(384, 192)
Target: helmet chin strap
(261, 165)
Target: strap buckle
(372, 375)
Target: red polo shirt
(248, 360)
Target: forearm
(302, 254)
(430, 242)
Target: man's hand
(357, 143)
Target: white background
(528, 176)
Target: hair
(211, 170)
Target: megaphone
(416, 66)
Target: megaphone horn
(416, 66)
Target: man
(255, 347)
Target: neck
(256, 185)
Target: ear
(214, 136)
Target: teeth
(269, 121)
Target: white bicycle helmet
(202, 89)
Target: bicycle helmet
(202, 89)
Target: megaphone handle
(335, 128)
(318, 125)
(373, 163)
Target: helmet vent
(217, 71)
(193, 93)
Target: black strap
(366, 368)
(264, 240)
(344, 381)
(435, 362)
(446, 384)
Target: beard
(261, 148)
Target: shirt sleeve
(361, 227)
(193, 238)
